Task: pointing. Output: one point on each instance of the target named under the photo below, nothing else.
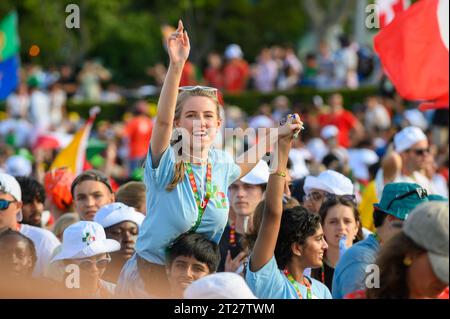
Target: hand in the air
(178, 45)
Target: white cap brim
(96, 248)
(313, 182)
(440, 266)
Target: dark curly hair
(31, 189)
(297, 224)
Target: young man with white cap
(245, 194)
(413, 147)
(121, 223)
(328, 183)
(10, 216)
(85, 246)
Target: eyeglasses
(347, 197)
(420, 151)
(86, 264)
(4, 204)
(421, 193)
(316, 196)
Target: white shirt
(44, 242)
(415, 177)
(40, 109)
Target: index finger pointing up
(180, 26)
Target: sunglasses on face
(420, 151)
(4, 204)
(420, 192)
(86, 264)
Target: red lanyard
(232, 241)
(323, 272)
(201, 203)
(296, 287)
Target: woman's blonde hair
(183, 96)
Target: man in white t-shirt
(412, 146)
(10, 213)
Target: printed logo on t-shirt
(218, 198)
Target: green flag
(9, 36)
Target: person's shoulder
(359, 251)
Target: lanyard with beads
(232, 241)
(296, 287)
(201, 203)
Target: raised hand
(178, 45)
(290, 127)
(232, 265)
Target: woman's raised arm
(178, 47)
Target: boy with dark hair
(190, 257)
(33, 199)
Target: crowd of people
(327, 203)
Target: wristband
(281, 174)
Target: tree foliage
(126, 36)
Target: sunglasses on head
(420, 151)
(86, 264)
(207, 89)
(421, 193)
(4, 204)
(328, 196)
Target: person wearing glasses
(90, 191)
(397, 201)
(85, 255)
(412, 146)
(186, 180)
(342, 228)
(10, 216)
(327, 185)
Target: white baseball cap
(416, 118)
(407, 137)
(18, 166)
(331, 182)
(329, 131)
(85, 239)
(9, 185)
(258, 175)
(222, 285)
(116, 213)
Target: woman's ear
(297, 249)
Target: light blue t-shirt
(350, 271)
(270, 283)
(170, 214)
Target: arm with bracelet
(264, 248)
(289, 126)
